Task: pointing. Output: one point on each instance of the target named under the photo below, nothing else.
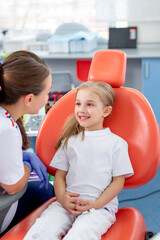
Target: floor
(147, 200)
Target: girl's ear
(107, 111)
(28, 99)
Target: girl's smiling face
(89, 109)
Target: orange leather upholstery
(129, 225)
(132, 118)
(109, 66)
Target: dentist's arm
(17, 187)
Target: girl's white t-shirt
(91, 163)
(11, 164)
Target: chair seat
(130, 225)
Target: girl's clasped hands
(76, 206)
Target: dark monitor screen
(123, 37)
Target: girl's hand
(69, 200)
(75, 212)
(85, 205)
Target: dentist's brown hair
(21, 73)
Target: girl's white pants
(56, 222)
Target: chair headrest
(108, 66)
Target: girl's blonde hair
(71, 126)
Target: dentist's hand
(34, 163)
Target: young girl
(92, 163)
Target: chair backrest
(132, 119)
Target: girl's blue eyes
(88, 104)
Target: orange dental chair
(132, 119)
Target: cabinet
(151, 83)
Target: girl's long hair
(71, 126)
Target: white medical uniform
(90, 165)
(11, 164)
